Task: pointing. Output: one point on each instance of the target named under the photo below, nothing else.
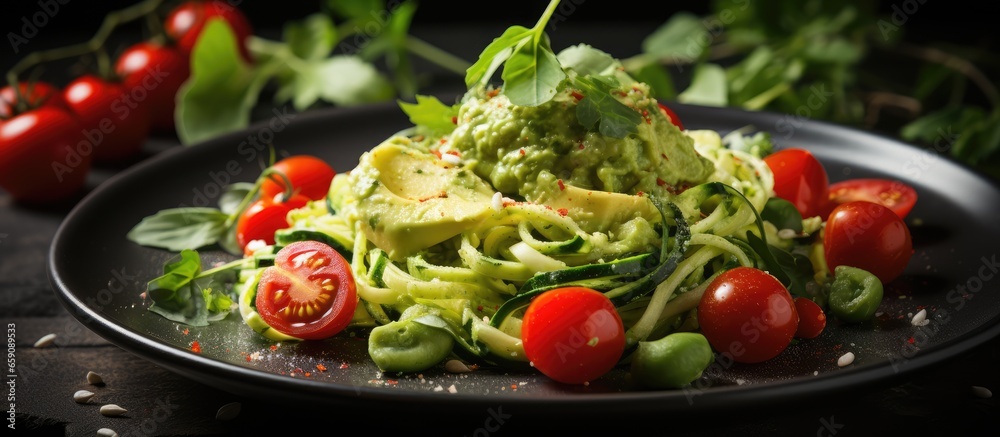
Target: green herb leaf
(659, 80)
(348, 80)
(177, 229)
(312, 38)
(360, 10)
(230, 200)
(683, 38)
(180, 296)
(494, 55)
(782, 214)
(431, 113)
(708, 87)
(600, 109)
(532, 74)
(586, 60)
(222, 88)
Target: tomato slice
(896, 195)
(309, 292)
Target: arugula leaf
(177, 229)
(431, 113)
(222, 88)
(180, 295)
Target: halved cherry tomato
(748, 314)
(896, 195)
(812, 318)
(672, 116)
(801, 179)
(308, 293)
(264, 217)
(310, 176)
(573, 334)
(869, 236)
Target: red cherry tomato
(309, 175)
(185, 23)
(748, 314)
(116, 131)
(42, 159)
(152, 74)
(572, 334)
(308, 293)
(896, 195)
(801, 179)
(264, 217)
(34, 94)
(869, 236)
(672, 116)
(812, 318)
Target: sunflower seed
(106, 432)
(94, 378)
(112, 410)
(46, 340)
(981, 392)
(228, 412)
(83, 396)
(845, 359)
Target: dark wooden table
(161, 403)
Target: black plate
(99, 275)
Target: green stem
(440, 57)
(229, 265)
(111, 21)
(544, 19)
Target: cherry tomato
(748, 314)
(116, 131)
(869, 236)
(672, 116)
(801, 179)
(308, 293)
(41, 158)
(185, 22)
(309, 175)
(896, 195)
(152, 73)
(572, 334)
(35, 94)
(812, 318)
(264, 217)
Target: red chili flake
(437, 153)
(479, 308)
(513, 386)
(344, 365)
(910, 340)
(442, 141)
(661, 182)
(580, 146)
(196, 347)
(186, 331)
(664, 155)
(391, 382)
(247, 356)
(563, 212)
(321, 368)
(454, 120)
(640, 193)
(576, 95)
(562, 186)
(492, 93)
(308, 374)
(274, 347)
(522, 152)
(453, 152)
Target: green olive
(672, 361)
(855, 294)
(408, 346)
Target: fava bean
(855, 294)
(408, 346)
(672, 361)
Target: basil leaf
(233, 196)
(586, 60)
(179, 294)
(222, 89)
(495, 54)
(177, 229)
(431, 113)
(532, 74)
